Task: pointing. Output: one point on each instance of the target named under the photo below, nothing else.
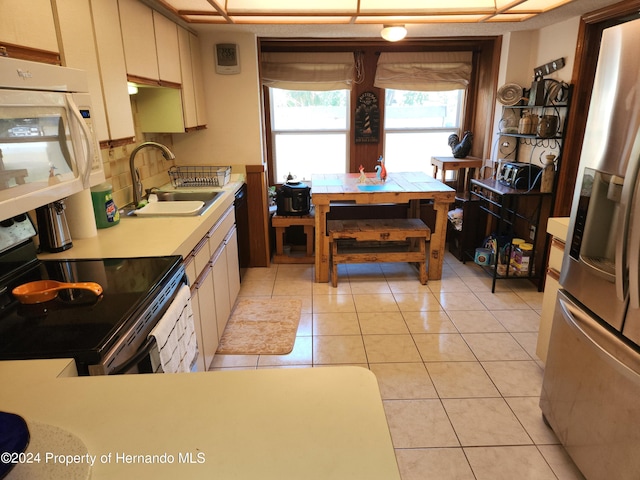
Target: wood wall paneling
(260, 255)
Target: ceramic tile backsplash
(152, 165)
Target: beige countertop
(557, 227)
(311, 423)
(151, 236)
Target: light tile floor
(456, 364)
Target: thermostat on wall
(227, 58)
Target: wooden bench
(281, 223)
(378, 240)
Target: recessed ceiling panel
(290, 19)
(292, 6)
(431, 7)
(420, 19)
(214, 19)
(194, 5)
(510, 17)
(538, 6)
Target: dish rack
(199, 176)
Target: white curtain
(424, 71)
(308, 71)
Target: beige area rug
(261, 327)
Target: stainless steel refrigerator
(591, 387)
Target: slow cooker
(293, 198)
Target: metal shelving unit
(505, 205)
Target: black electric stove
(77, 324)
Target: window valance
(424, 71)
(308, 71)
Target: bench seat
(378, 240)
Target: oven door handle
(144, 350)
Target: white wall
(234, 132)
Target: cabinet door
(221, 288)
(28, 24)
(233, 265)
(188, 89)
(208, 319)
(196, 323)
(198, 81)
(75, 26)
(138, 38)
(166, 37)
(113, 72)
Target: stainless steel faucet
(135, 174)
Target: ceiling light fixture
(133, 89)
(393, 33)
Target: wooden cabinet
(166, 40)
(198, 81)
(138, 38)
(552, 285)
(233, 263)
(113, 74)
(34, 29)
(219, 269)
(213, 271)
(75, 25)
(150, 43)
(193, 102)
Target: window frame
(479, 110)
(274, 132)
(463, 95)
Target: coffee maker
(53, 229)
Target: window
(417, 125)
(310, 132)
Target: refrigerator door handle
(633, 244)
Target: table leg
(438, 239)
(322, 244)
(279, 240)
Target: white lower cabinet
(213, 272)
(208, 318)
(233, 264)
(551, 287)
(221, 287)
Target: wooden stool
(281, 223)
(387, 235)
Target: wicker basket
(199, 176)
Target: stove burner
(66, 300)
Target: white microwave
(48, 149)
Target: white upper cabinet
(166, 35)
(35, 29)
(113, 71)
(193, 101)
(77, 51)
(138, 38)
(198, 81)
(150, 43)
(188, 89)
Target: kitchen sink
(177, 196)
(176, 203)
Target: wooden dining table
(399, 188)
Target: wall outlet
(532, 232)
